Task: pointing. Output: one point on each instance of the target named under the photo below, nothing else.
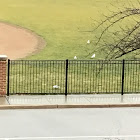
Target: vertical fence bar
(123, 62)
(8, 77)
(66, 80)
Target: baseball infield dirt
(17, 42)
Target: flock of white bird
(93, 56)
(75, 57)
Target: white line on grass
(72, 137)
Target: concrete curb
(99, 106)
(4, 107)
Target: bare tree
(125, 39)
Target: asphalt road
(77, 124)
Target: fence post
(8, 76)
(66, 78)
(123, 63)
(3, 72)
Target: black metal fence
(73, 76)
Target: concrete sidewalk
(72, 101)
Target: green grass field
(60, 23)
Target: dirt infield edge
(41, 41)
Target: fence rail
(73, 76)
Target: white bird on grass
(75, 57)
(56, 86)
(93, 56)
(88, 42)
